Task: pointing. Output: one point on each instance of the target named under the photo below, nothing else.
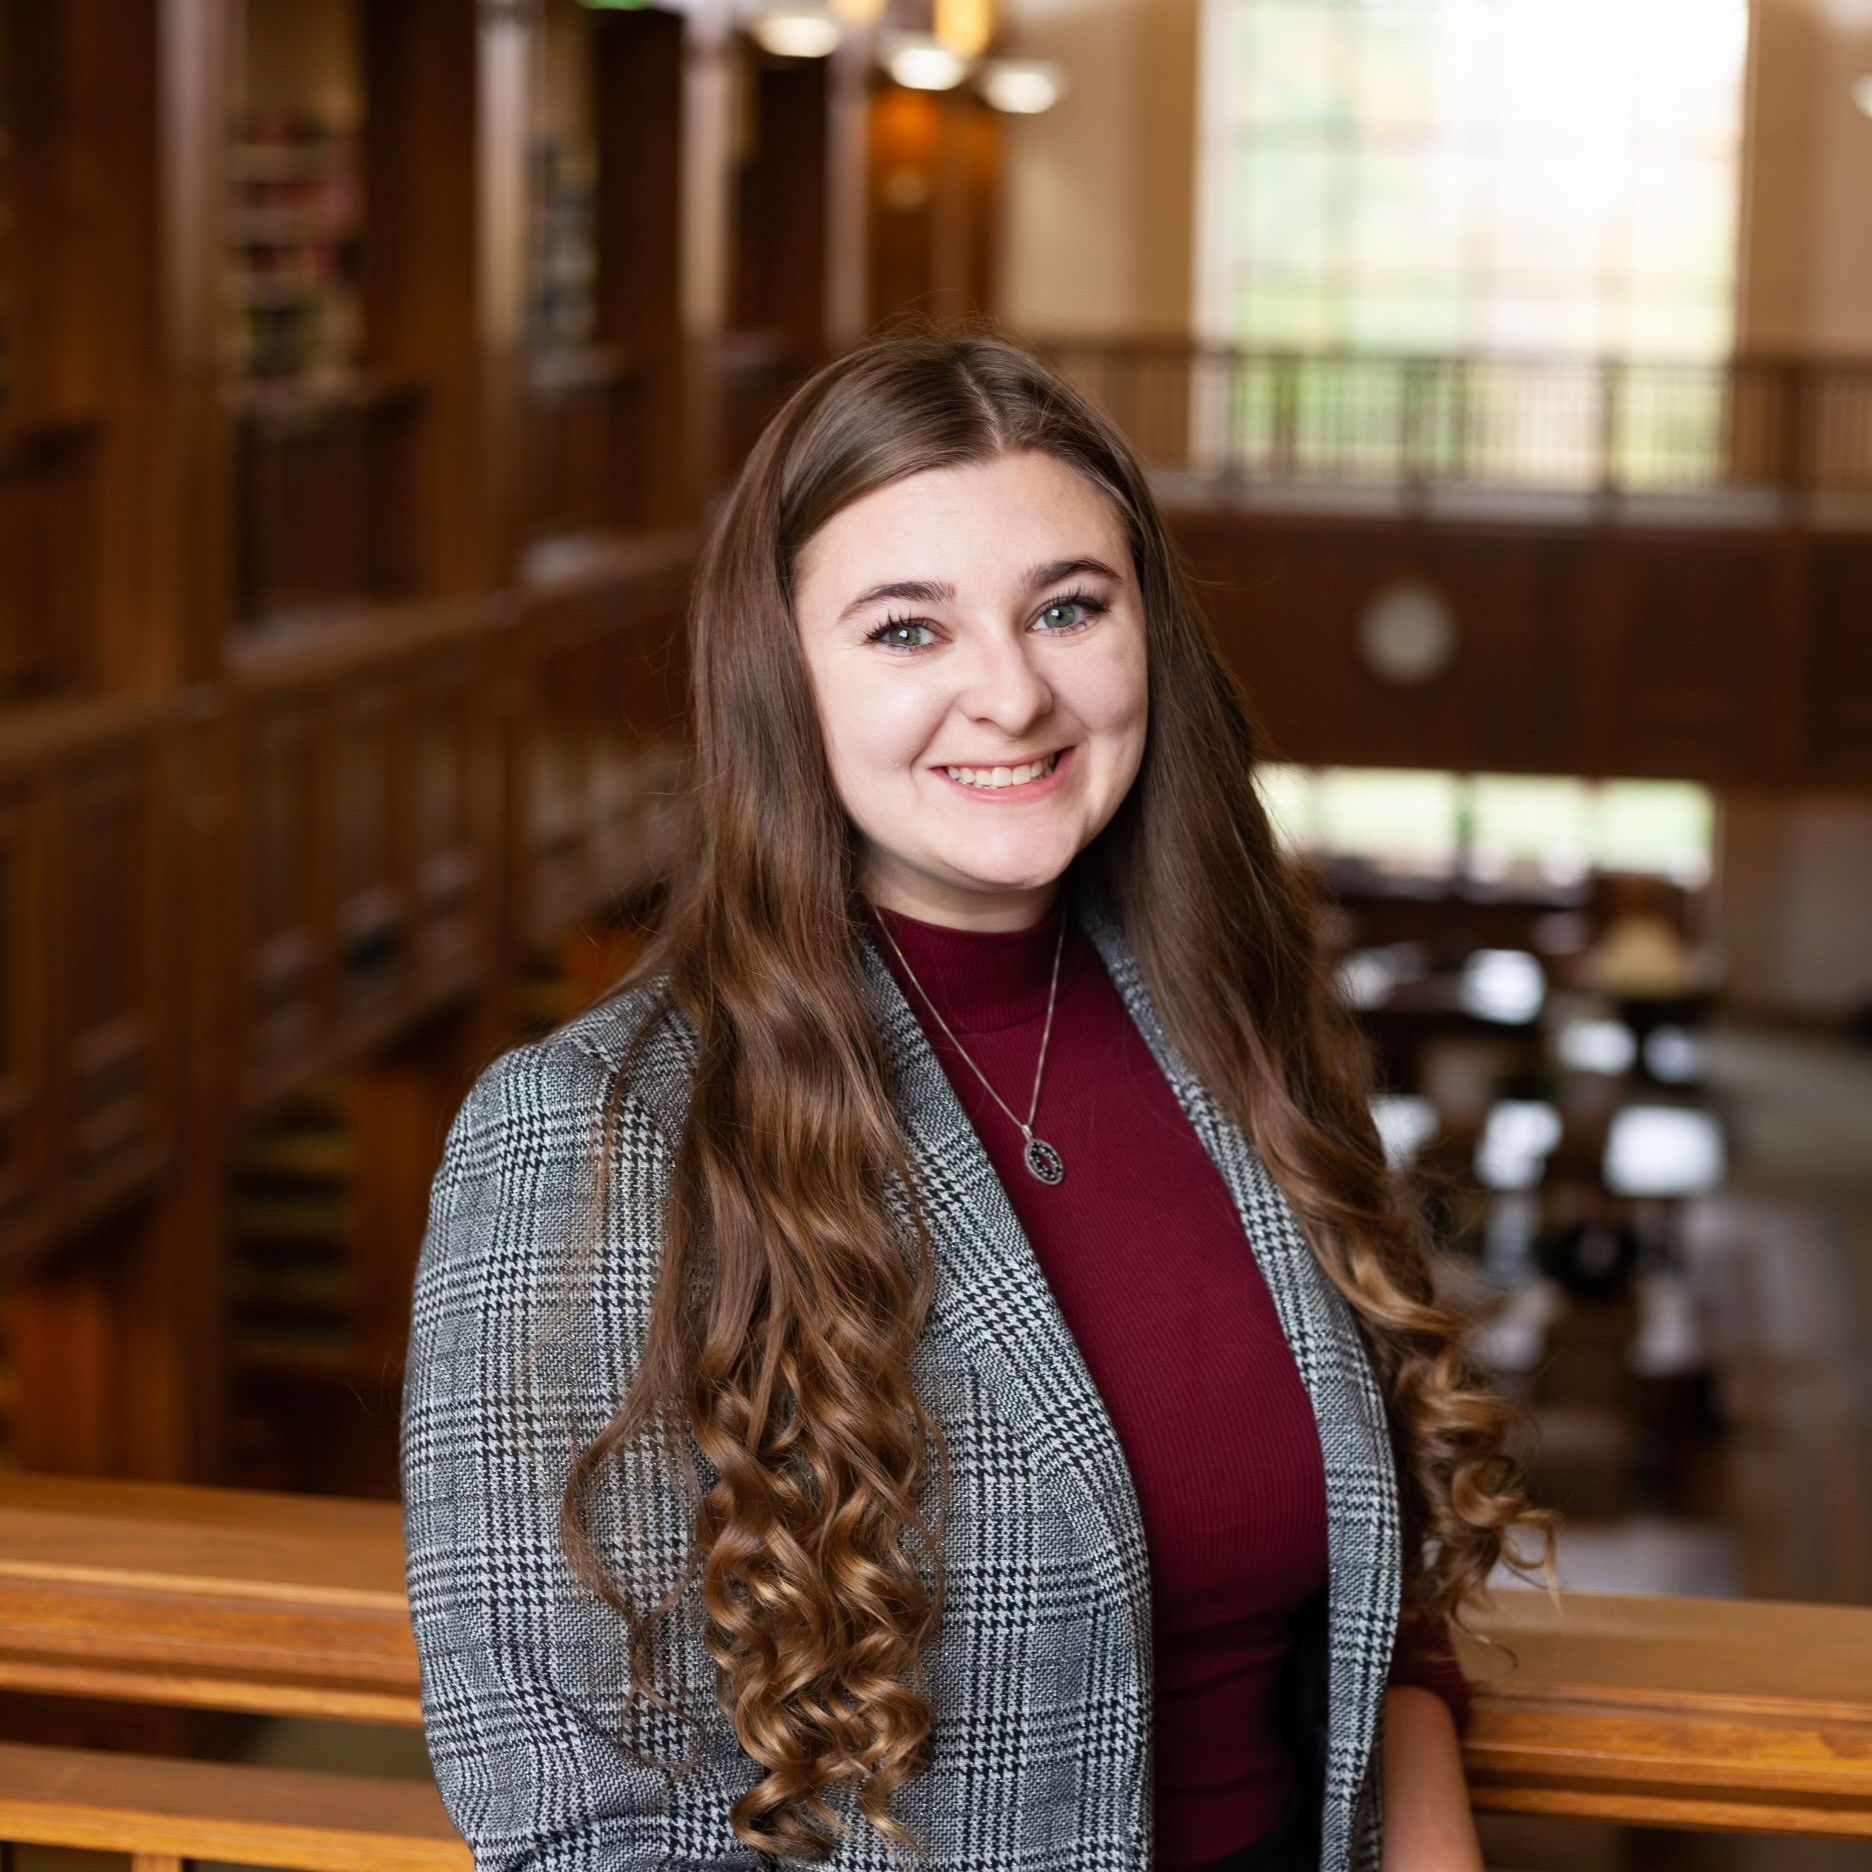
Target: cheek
(874, 724)
(1109, 694)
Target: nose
(1003, 684)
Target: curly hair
(788, 1299)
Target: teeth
(1003, 776)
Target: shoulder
(632, 1054)
(554, 1176)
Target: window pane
(1294, 68)
(1529, 828)
(1396, 819)
(1409, 209)
(1287, 792)
(1463, 175)
(1654, 825)
(1294, 206)
(1280, 315)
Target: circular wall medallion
(1407, 633)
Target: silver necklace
(1040, 1157)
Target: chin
(1014, 877)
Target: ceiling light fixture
(918, 63)
(795, 31)
(1023, 86)
(964, 26)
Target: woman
(987, 1403)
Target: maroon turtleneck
(1158, 1283)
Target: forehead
(981, 522)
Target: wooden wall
(366, 372)
(338, 679)
(1729, 655)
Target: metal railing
(1790, 428)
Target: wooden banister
(1748, 1715)
(1715, 1713)
(169, 1813)
(282, 1605)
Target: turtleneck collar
(980, 979)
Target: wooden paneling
(1694, 627)
(596, 693)
(935, 164)
(1739, 1715)
(1718, 655)
(23, 1108)
(584, 436)
(1840, 676)
(368, 776)
(88, 808)
(278, 696)
(326, 511)
(112, 858)
(284, 942)
(451, 808)
(48, 582)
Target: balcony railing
(1764, 429)
(1718, 1714)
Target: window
(1492, 828)
(1448, 177)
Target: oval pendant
(1044, 1161)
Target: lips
(1015, 795)
(1001, 760)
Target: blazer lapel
(993, 1301)
(1364, 1543)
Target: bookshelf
(313, 315)
(295, 233)
(321, 441)
(562, 175)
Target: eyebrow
(929, 591)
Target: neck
(977, 910)
(981, 979)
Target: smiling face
(981, 618)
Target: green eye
(1075, 601)
(890, 625)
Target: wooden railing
(169, 1815)
(1719, 1714)
(1231, 416)
(338, 856)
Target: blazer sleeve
(1425, 1655)
(524, 1672)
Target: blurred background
(369, 367)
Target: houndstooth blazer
(1041, 1671)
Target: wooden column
(647, 184)
(935, 181)
(443, 260)
(121, 111)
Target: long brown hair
(788, 1302)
